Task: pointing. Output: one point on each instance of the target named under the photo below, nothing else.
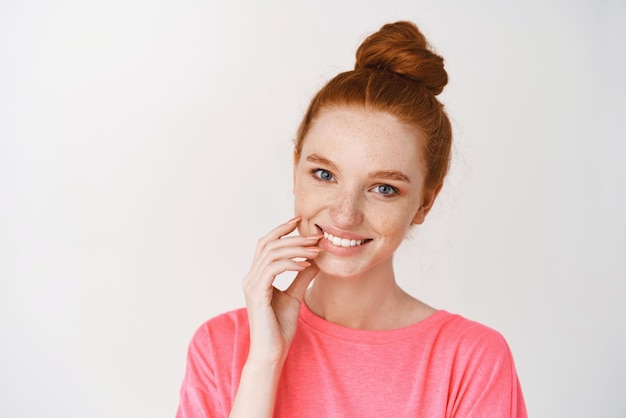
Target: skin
(359, 176)
(361, 172)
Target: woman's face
(359, 180)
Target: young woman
(344, 340)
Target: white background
(146, 145)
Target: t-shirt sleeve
(199, 394)
(487, 384)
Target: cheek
(303, 200)
(390, 224)
(306, 205)
(394, 221)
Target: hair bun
(401, 48)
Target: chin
(339, 268)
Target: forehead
(367, 136)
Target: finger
(264, 280)
(286, 252)
(275, 249)
(301, 282)
(278, 232)
(288, 247)
(278, 254)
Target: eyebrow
(381, 174)
(318, 159)
(390, 175)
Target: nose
(346, 211)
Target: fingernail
(314, 249)
(315, 237)
(294, 220)
(303, 263)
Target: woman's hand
(272, 313)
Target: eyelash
(317, 173)
(394, 191)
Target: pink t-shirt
(443, 366)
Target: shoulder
(216, 354)
(222, 332)
(483, 379)
(467, 333)
(469, 344)
(231, 320)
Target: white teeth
(342, 242)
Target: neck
(373, 302)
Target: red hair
(395, 72)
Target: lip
(342, 234)
(340, 251)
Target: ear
(427, 203)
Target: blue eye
(386, 190)
(322, 174)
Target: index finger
(278, 232)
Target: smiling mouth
(344, 242)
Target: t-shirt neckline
(320, 325)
